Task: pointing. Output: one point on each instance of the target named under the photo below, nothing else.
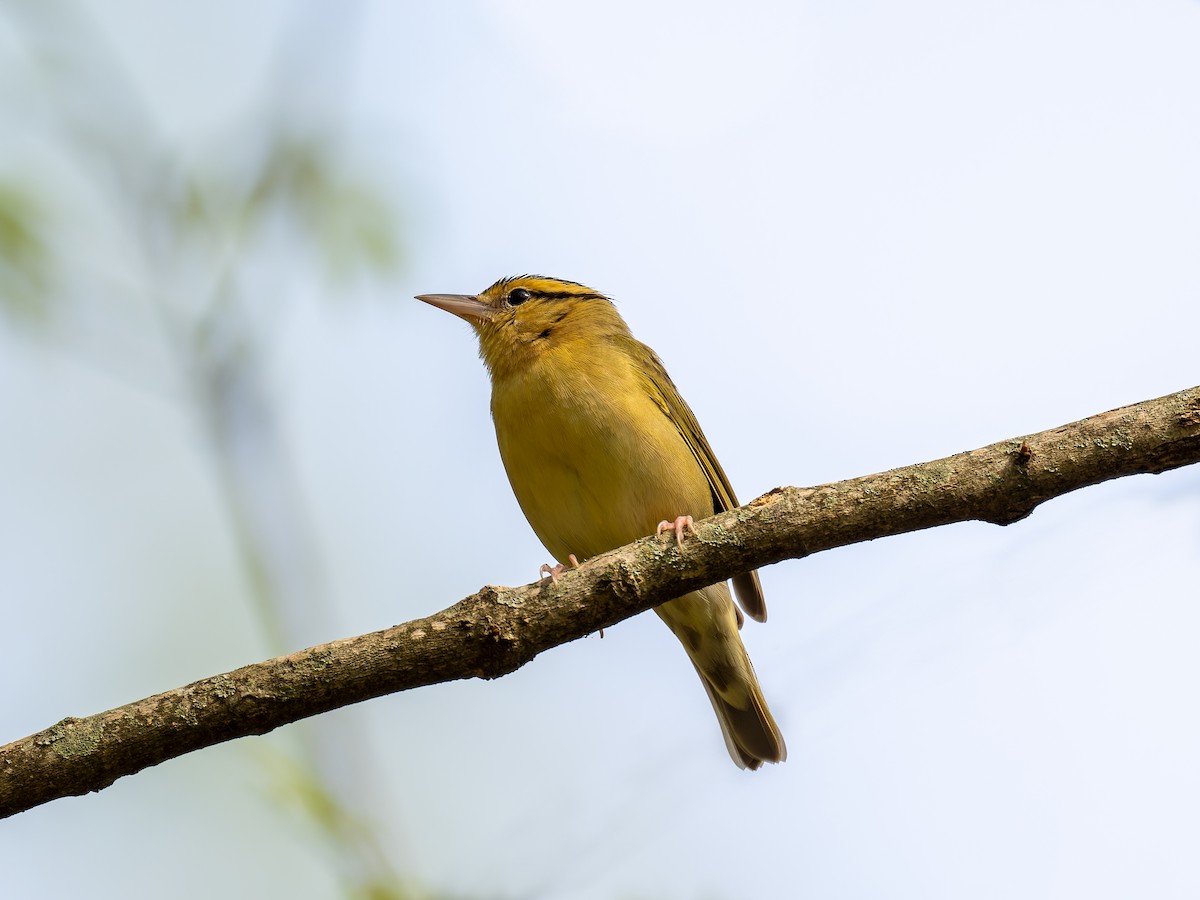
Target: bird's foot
(679, 526)
(556, 570)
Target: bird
(600, 450)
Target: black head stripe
(563, 295)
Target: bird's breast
(593, 460)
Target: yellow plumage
(600, 448)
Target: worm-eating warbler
(599, 447)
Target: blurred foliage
(297, 788)
(278, 181)
(346, 220)
(216, 245)
(300, 184)
(24, 257)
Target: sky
(860, 235)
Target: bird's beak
(465, 306)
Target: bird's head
(519, 318)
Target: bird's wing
(660, 386)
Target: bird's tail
(705, 622)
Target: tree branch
(498, 630)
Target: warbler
(601, 450)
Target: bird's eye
(518, 296)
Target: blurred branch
(498, 630)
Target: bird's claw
(557, 569)
(679, 526)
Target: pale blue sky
(859, 235)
